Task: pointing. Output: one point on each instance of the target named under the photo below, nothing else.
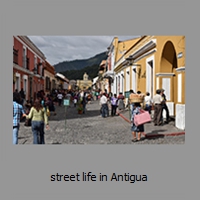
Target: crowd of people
(37, 112)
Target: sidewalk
(155, 131)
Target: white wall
(180, 116)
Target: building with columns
(154, 62)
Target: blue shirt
(17, 111)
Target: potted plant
(80, 107)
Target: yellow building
(114, 72)
(155, 62)
(85, 83)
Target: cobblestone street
(90, 128)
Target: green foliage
(80, 105)
(80, 64)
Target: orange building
(50, 80)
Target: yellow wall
(165, 61)
(162, 62)
(174, 44)
(178, 44)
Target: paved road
(69, 127)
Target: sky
(67, 48)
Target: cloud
(61, 48)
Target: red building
(28, 67)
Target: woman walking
(39, 119)
(121, 105)
(136, 129)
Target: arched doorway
(168, 66)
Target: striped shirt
(17, 112)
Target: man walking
(164, 106)
(157, 101)
(17, 113)
(103, 102)
(60, 97)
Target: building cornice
(146, 54)
(131, 50)
(21, 69)
(164, 74)
(17, 67)
(143, 49)
(180, 69)
(31, 46)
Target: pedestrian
(18, 112)
(157, 101)
(113, 100)
(22, 94)
(104, 105)
(84, 102)
(69, 97)
(164, 106)
(60, 97)
(96, 94)
(39, 119)
(136, 130)
(27, 110)
(132, 95)
(148, 102)
(121, 105)
(75, 101)
(89, 97)
(49, 104)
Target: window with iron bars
(26, 62)
(48, 83)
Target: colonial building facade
(50, 80)
(115, 77)
(28, 66)
(150, 63)
(85, 83)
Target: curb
(153, 135)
